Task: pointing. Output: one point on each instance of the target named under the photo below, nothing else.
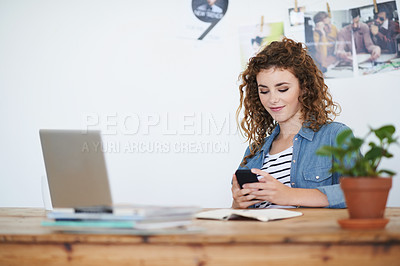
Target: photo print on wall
(359, 41)
(254, 37)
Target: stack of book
(138, 219)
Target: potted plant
(364, 184)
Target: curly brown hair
(316, 101)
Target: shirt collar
(305, 132)
(385, 24)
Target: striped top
(278, 166)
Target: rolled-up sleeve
(335, 196)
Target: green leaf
(330, 150)
(392, 140)
(362, 167)
(374, 153)
(388, 172)
(338, 168)
(348, 160)
(385, 132)
(342, 136)
(388, 155)
(324, 151)
(356, 143)
(372, 144)
(369, 169)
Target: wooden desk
(312, 239)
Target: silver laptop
(75, 167)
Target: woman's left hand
(270, 189)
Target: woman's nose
(274, 97)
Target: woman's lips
(276, 109)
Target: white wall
(64, 63)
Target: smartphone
(244, 176)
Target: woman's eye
(264, 92)
(283, 90)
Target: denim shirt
(308, 170)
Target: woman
(325, 35)
(288, 115)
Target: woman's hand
(241, 197)
(272, 190)
(269, 189)
(320, 27)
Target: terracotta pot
(365, 196)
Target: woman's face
(279, 92)
(327, 20)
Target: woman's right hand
(241, 197)
(320, 27)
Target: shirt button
(294, 161)
(293, 184)
(317, 177)
(295, 139)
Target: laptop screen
(75, 168)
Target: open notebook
(263, 215)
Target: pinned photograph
(322, 39)
(376, 36)
(360, 41)
(296, 17)
(254, 37)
